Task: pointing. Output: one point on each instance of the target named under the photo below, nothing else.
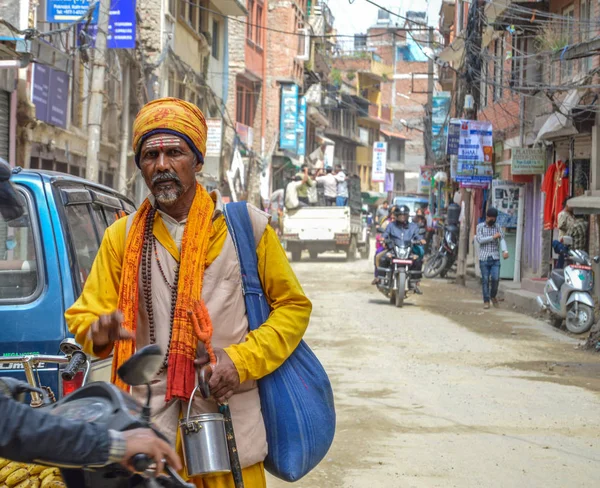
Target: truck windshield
(19, 276)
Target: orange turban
(171, 116)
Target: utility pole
(96, 98)
(428, 135)
(472, 77)
(122, 182)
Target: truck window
(19, 261)
(83, 237)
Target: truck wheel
(365, 251)
(313, 254)
(351, 252)
(296, 255)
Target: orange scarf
(181, 378)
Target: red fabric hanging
(556, 188)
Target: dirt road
(443, 394)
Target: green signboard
(528, 161)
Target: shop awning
(585, 204)
(394, 135)
(559, 123)
(373, 197)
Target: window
(258, 38)
(499, 69)
(19, 257)
(191, 12)
(585, 19)
(568, 29)
(84, 241)
(483, 87)
(249, 25)
(246, 101)
(171, 6)
(215, 39)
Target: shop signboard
(439, 120)
(453, 137)
(379, 162)
(475, 150)
(214, 137)
(301, 127)
(425, 175)
(528, 161)
(288, 138)
(50, 95)
(121, 27)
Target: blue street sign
(121, 27)
(65, 11)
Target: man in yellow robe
(173, 260)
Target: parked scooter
(398, 278)
(442, 261)
(568, 291)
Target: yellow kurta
(265, 348)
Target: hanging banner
(439, 120)
(389, 182)
(425, 175)
(289, 117)
(50, 95)
(379, 162)
(475, 149)
(528, 161)
(505, 198)
(301, 127)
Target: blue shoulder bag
(296, 399)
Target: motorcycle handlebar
(142, 462)
(78, 359)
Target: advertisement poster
(425, 175)
(214, 136)
(301, 128)
(50, 95)
(453, 137)
(528, 161)
(289, 117)
(475, 150)
(379, 162)
(505, 197)
(439, 122)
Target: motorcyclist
(35, 436)
(404, 233)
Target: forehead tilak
(162, 140)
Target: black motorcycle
(105, 404)
(442, 261)
(398, 278)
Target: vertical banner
(475, 149)
(214, 137)
(301, 128)
(453, 139)
(389, 182)
(288, 117)
(379, 162)
(439, 122)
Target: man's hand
(108, 329)
(225, 377)
(498, 236)
(145, 441)
(505, 254)
(423, 241)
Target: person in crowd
(383, 212)
(172, 264)
(307, 183)
(312, 191)
(292, 201)
(490, 237)
(329, 183)
(342, 186)
(578, 231)
(276, 205)
(566, 220)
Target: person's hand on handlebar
(108, 329)
(145, 441)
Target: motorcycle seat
(558, 276)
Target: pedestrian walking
(491, 240)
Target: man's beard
(167, 196)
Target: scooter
(568, 291)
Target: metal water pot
(204, 443)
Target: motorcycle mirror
(68, 346)
(16, 389)
(141, 368)
(597, 259)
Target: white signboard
(328, 155)
(379, 161)
(214, 137)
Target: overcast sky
(360, 15)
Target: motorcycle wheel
(582, 321)
(401, 289)
(435, 265)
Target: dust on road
(443, 394)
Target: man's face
(490, 220)
(402, 218)
(168, 166)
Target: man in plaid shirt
(491, 239)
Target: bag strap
(240, 228)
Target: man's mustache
(166, 176)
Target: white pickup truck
(321, 229)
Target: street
(443, 394)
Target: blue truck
(45, 258)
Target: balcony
(367, 64)
(320, 19)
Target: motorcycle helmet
(402, 210)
